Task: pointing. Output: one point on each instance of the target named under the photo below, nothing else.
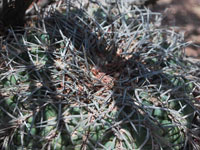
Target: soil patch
(183, 15)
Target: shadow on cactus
(72, 83)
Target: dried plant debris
(85, 79)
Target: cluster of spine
(92, 80)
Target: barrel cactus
(133, 2)
(78, 81)
(141, 2)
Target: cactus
(141, 2)
(77, 81)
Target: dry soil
(184, 16)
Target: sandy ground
(183, 15)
